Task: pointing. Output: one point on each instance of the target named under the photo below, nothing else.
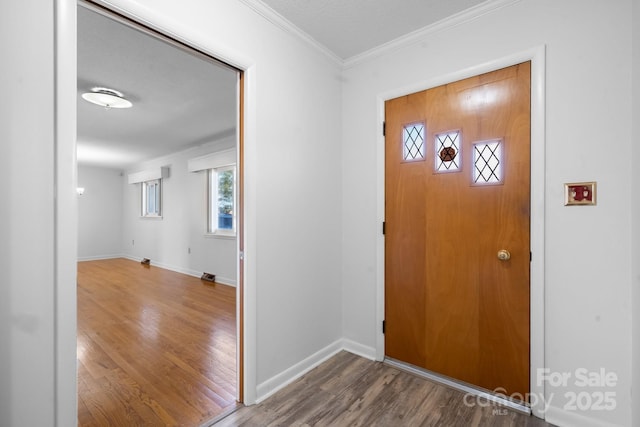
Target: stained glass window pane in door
(487, 162)
(447, 151)
(413, 142)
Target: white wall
(588, 104)
(26, 233)
(167, 241)
(35, 284)
(99, 213)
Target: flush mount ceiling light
(107, 98)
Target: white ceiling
(351, 27)
(181, 100)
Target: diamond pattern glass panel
(447, 146)
(413, 142)
(487, 162)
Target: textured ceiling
(179, 100)
(351, 27)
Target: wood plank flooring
(155, 347)
(349, 390)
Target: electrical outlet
(580, 193)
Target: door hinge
(384, 128)
(384, 227)
(530, 256)
(384, 326)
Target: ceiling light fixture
(107, 98)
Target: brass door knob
(504, 255)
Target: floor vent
(208, 277)
(145, 261)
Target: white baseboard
(99, 257)
(187, 271)
(564, 418)
(277, 382)
(359, 349)
(223, 280)
(291, 374)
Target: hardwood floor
(155, 347)
(349, 390)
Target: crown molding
(467, 15)
(283, 23)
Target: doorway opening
(186, 109)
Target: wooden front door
(457, 183)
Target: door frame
(65, 227)
(537, 228)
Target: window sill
(220, 236)
(150, 217)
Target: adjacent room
(157, 175)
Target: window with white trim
(152, 198)
(221, 217)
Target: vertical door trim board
(537, 228)
(65, 181)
